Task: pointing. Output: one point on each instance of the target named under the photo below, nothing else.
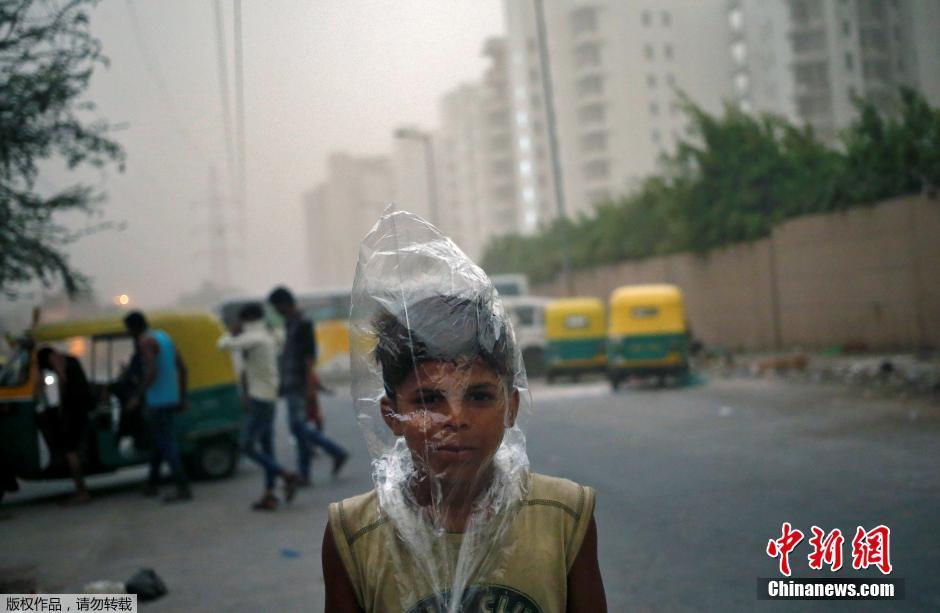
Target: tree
(737, 176)
(893, 154)
(47, 57)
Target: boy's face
(452, 416)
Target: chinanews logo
(482, 599)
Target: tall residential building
(616, 70)
(808, 59)
(761, 57)
(339, 213)
(476, 159)
(460, 161)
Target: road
(691, 485)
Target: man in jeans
(252, 339)
(298, 384)
(162, 394)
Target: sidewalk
(901, 374)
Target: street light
(549, 96)
(425, 138)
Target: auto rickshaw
(647, 334)
(207, 430)
(574, 334)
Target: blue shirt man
(163, 393)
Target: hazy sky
(320, 76)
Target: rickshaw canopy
(646, 309)
(574, 318)
(194, 333)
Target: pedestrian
(69, 428)
(161, 395)
(456, 520)
(253, 340)
(299, 384)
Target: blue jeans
(258, 430)
(307, 435)
(160, 422)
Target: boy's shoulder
(357, 515)
(559, 492)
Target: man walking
(252, 339)
(299, 383)
(162, 393)
(76, 401)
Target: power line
(153, 69)
(224, 88)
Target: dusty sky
(320, 76)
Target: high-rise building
(460, 160)
(616, 70)
(339, 213)
(761, 57)
(476, 157)
(809, 60)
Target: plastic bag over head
(439, 388)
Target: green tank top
(531, 577)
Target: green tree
(47, 57)
(892, 154)
(734, 178)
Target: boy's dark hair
(43, 357)
(442, 329)
(135, 322)
(253, 311)
(281, 295)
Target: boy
(456, 538)
(299, 385)
(259, 352)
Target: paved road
(692, 483)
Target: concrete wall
(869, 275)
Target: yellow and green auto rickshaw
(207, 430)
(647, 334)
(575, 342)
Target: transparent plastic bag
(439, 388)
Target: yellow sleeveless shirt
(541, 545)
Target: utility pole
(224, 95)
(549, 97)
(219, 273)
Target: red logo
(783, 546)
(871, 548)
(826, 550)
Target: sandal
(291, 483)
(267, 503)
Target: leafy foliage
(733, 179)
(47, 57)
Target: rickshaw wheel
(215, 459)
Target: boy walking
(259, 355)
(299, 384)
